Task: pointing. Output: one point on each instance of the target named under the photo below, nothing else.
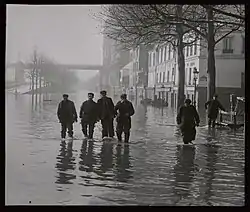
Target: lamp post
(195, 72)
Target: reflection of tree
(211, 158)
(65, 162)
(184, 171)
(123, 164)
(86, 156)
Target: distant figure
(125, 111)
(106, 114)
(67, 115)
(213, 107)
(88, 115)
(187, 119)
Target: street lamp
(195, 72)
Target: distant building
(230, 70)
(126, 80)
(14, 73)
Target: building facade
(230, 70)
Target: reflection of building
(230, 69)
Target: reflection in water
(86, 157)
(106, 157)
(123, 164)
(184, 171)
(65, 162)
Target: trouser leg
(127, 135)
(119, 129)
(209, 122)
(111, 127)
(91, 130)
(84, 128)
(104, 128)
(63, 130)
(213, 123)
(70, 129)
(127, 126)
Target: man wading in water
(125, 111)
(67, 115)
(88, 115)
(213, 107)
(106, 114)
(188, 119)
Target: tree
(133, 25)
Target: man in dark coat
(67, 115)
(187, 119)
(125, 111)
(213, 107)
(88, 115)
(106, 110)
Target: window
(149, 59)
(163, 77)
(162, 55)
(191, 50)
(243, 44)
(168, 76)
(153, 58)
(157, 77)
(195, 48)
(227, 45)
(186, 72)
(165, 53)
(190, 74)
(187, 49)
(160, 77)
(169, 51)
(159, 59)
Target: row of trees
(43, 69)
(180, 25)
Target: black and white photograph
(125, 105)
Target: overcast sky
(66, 33)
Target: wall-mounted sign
(202, 81)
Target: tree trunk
(181, 60)
(211, 79)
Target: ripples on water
(151, 170)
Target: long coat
(125, 111)
(66, 112)
(187, 119)
(89, 111)
(106, 108)
(213, 107)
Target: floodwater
(151, 170)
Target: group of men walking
(105, 111)
(91, 112)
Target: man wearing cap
(125, 111)
(213, 107)
(88, 114)
(67, 115)
(188, 119)
(106, 110)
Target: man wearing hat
(213, 107)
(106, 110)
(188, 119)
(67, 115)
(125, 111)
(88, 115)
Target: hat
(124, 96)
(187, 101)
(215, 95)
(103, 92)
(90, 94)
(65, 95)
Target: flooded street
(151, 170)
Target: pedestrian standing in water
(106, 114)
(88, 114)
(125, 110)
(67, 115)
(188, 119)
(213, 107)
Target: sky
(66, 33)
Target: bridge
(63, 66)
